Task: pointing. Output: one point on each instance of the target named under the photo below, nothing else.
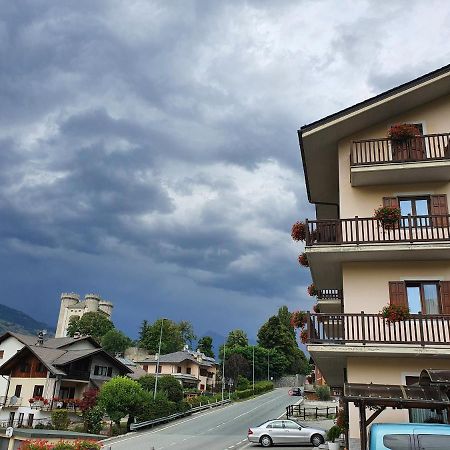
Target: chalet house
(192, 369)
(361, 263)
(43, 375)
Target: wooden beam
(362, 425)
(374, 415)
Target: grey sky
(148, 149)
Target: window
(24, 367)
(103, 371)
(188, 370)
(11, 419)
(30, 420)
(145, 367)
(2, 353)
(415, 206)
(40, 368)
(20, 421)
(67, 392)
(203, 372)
(397, 441)
(178, 369)
(291, 425)
(18, 390)
(38, 390)
(423, 297)
(277, 424)
(433, 441)
(202, 387)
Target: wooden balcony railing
(330, 294)
(368, 230)
(364, 329)
(381, 151)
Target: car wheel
(266, 441)
(317, 439)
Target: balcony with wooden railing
(369, 230)
(430, 147)
(361, 328)
(425, 157)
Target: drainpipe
(8, 381)
(57, 378)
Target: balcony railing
(330, 294)
(364, 329)
(78, 375)
(368, 230)
(381, 151)
(10, 402)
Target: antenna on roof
(40, 339)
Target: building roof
(49, 343)
(318, 140)
(137, 371)
(178, 357)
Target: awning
(430, 377)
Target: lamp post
(253, 369)
(159, 356)
(223, 371)
(268, 362)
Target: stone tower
(72, 306)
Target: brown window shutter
(391, 202)
(445, 297)
(397, 293)
(438, 206)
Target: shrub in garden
(243, 383)
(60, 419)
(92, 419)
(333, 433)
(323, 392)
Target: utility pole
(157, 361)
(268, 362)
(253, 369)
(223, 371)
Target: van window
(398, 441)
(433, 441)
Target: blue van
(409, 436)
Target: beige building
(192, 369)
(360, 265)
(73, 306)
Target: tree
(167, 385)
(93, 324)
(237, 338)
(172, 339)
(235, 366)
(114, 341)
(121, 397)
(187, 332)
(205, 346)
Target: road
(223, 428)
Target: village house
(390, 151)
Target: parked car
(296, 391)
(409, 436)
(285, 432)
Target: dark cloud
(148, 150)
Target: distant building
(72, 306)
(192, 369)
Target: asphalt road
(223, 428)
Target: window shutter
(390, 202)
(445, 297)
(438, 206)
(397, 293)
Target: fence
(303, 412)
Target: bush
(80, 444)
(172, 387)
(260, 388)
(63, 445)
(333, 433)
(92, 419)
(323, 392)
(60, 419)
(242, 383)
(161, 406)
(44, 426)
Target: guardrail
(328, 412)
(151, 423)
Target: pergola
(431, 393)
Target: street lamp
(268, 362)
(223, 371)
(253, 369)
(159, 356)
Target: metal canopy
(430, 377)
(396, 396)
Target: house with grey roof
(53, 373)
(192, 369)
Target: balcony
(333, 338)
(382, 161)
(330, 300)
(329, 243)
(10, 402)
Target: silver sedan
(285, 432)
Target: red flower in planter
(402, 132)
(298, 232)
(31, 400)
(316, 308)
(395, 313)
(312, 290)
(298, 319)
(304, 336)
(388, 216)
(303, 260)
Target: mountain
(14, 320)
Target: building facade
(72, 306)
(47, 374)
(192, 369)
(360, 263)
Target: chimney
(40, 339)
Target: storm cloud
(148, 149)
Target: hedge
(260, 388)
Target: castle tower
(106, 307)
(68, 300)
(92, 302)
